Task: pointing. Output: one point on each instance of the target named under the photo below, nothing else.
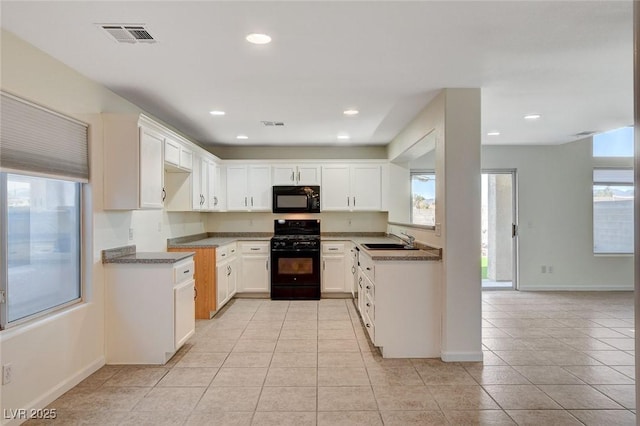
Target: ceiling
(571, 62)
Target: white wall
(556, 218)
(51, 355)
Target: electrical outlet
(130, 234)
(7, 374)
(543, 269)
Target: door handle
(348, 201)
(164, 195)
(292, 176)
(514, 230)
(251, 201)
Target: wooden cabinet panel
(205, 263)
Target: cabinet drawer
(333, 248)
(370, 326)
(369, 308)
(255, 248)
(183, 272)
(367, 266)
(225, 252)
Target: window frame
(595, 183)
(4, 270)
(413, 172)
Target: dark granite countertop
(128, 254)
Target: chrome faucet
(409, 240)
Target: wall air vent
(272, 123)
(128, 33)
(585, 133)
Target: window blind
(33, 139)
(612, 176)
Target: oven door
(292, 267)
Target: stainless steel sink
(386, 246)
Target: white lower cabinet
(226, 274)
(335, 259)
(150, 310)
(255, 267)
(399, 302)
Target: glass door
(499, 230)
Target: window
(616, 143)
(43, 237)
(613, 211)
(423, 198)
(43, 166)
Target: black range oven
(295, 259)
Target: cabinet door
(184, 312)
(196, 184)
(333, 273)
(255, 273)
(222, 284)
(366, 187)
(260, 188)
(237, 188)
(232, 284)
(308, 175)
(172, 152)
(335, 188)
(151, 169)
(212, 199)
(186, 158)
(284, 174)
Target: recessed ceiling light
(256, 38)
(216, 112)
(351, 112)
(493, 134)
(343, 137)
(532, 116)
(242, 137)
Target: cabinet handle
(333, 248)
(215, 201)
(354, 201)
(164, 195)
(266, 265)
(298, 176)
(255, 248)
(368, 304)
(201, 199)
(353, 270)
(195, 292)
(245, 201)
(368, 269)
(368, 287)
(251, 201)
(292, 176)
(187, 271)
(348, 201)
(233, 250)
(368, 325)
(224, 254)
(324, 265)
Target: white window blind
(35, 140)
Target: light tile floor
(550, 359)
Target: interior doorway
(499, 230)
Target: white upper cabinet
(296, 174)
(248, 188)
(177, 157)
(351, 187)
(133, 162)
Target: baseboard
(60, 389)
(336, 295)
(461, 356)
(577, 287)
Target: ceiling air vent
(272, 123)
(585, 133)
(128, 33)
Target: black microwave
(296, 199)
